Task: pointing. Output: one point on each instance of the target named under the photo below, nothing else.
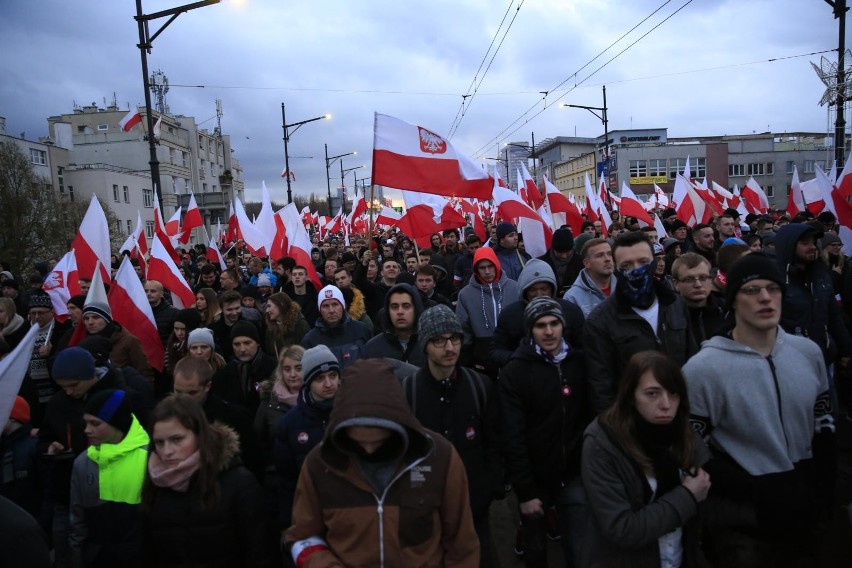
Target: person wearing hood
(381, 490)
(809, 307)
(761, 397)
(12, 327)
(643, 314)
(106, 484)
(566, 263)
(596, 282)
(126, 348)
(543, 396)
(303, 427)
(479, 306)
(336, 330)
(403, 306)
(512, 259)
(239, 381)
(536, 280)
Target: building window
(126, 194)
(820, 164)
(770, 191)
(203, 188)
(81, 129)
(103, 127)
(71, 194)
(214, 189)
(736, 170)
(699, 167)
(770, 168)
(147, 197)
(790, 165)
(183, 158)
(757, 169)
(809, 167)
(115, 193)
(118, 225)
(129, 226)
(657, 168)
(149, 229)
(638, 168)
(60, 180)
(677, 167)
(38, 157)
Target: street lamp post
(328, 162)
(286, 127)
(603, 118)
(343, 185)
(146, 41)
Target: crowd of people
(647, 400)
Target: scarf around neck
(282, 395)
(176, 477)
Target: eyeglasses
(693, 279)
(441, 341)
(772, 289)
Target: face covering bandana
(637, 285)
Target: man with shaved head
(164, 313)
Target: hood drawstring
(497, 304)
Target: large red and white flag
(562, 209)
(162, 268)
(131, 309)
(755, 198)
(335, 223)
(537, 233)
(254, 239)
(13, 369)
(172, 227)
(265, 222)
(192, 220)
(534, 197)
(631, 206)
(298, 243)
(427, 214)
(61, 284)
(406, 156)
(796, 200)
(233, 226)
(592, 206)
(131, 119)
(92, 242)
(387, 217)
(359, 207)
(214, 255)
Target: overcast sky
(704, 71)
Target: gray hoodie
(585, 293)
(735, 392)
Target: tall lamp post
(295, 126)
(603, 118)
(146, 41)
(343, 185)
(328, 162)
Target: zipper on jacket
(564, 416)
(778, 399)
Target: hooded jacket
(409, 509)
(586, 294)
(809, 307)
(479, 306)
(387, 344)
(510, 324)
(239, 381)
(178, 532)
(346, 341)
(512, 261)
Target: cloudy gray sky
(703, 71)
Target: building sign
(628, 139)
(648, 180)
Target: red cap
(20, 410)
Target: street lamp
(603, 118)
(328, 162)
(343, 185)
(145, 45)
(287, 134)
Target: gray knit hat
(201, 335)
(100, 309)
(436, 321)
(318, 360)
(540, 307)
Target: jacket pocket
(417, 518)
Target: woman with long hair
(200, 344)
(285, 324)
(12, 327)
(207, 304)
(186, 321)
(200, 506)
(642, 472)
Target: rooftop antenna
(159, 87)
(219, 112)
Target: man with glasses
(49, 331)
(760, 396)
(460, 404)
(692, 280)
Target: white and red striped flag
(61, 284)
(537, 233)
(406, 156)
(162, 268)
(192, 220)
(131, 309)
(92, 242)
(131, 119)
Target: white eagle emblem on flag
(431, 142)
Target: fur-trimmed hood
(229, 451)
(357, 307)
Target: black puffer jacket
(386, 343)
(614, 333)
(544, 410)
(239, 381)
(178, 532)
(809, 307)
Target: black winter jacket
(614, 333)
(386, 343)
(346, 341)
(465, 410)
(239, 382)
(544, 412)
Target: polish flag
(755, 198)
(662, 198)
(157, 126)
(812, 196)
(592, 206)
(534, 198)
(411, 157)
(689, 205)
(191, 221)
(711, 206)
(162, 268)
(631, 206)
(92, 241)
(131, 119)
(131, 309)
(213, 254)
(254, 239)
(722, 195)
(233, 226)
(307, 218)
(298, 243)
(427, 214)
(738, 203)
(13, 369)
(61, 284)
(606, 198)
(563, 210)
(359, 206)
(387, 217)
(172, 227)
(537, 234)
(795, 201)
(265, 222)
(661, 229)
(336, 222)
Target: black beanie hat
(245, 329)
(190, 318)
(754, 266)
(563, 240)
(540, 307)
(113, 407)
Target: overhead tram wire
(481, 63)
(506, 131)
(469, 102)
